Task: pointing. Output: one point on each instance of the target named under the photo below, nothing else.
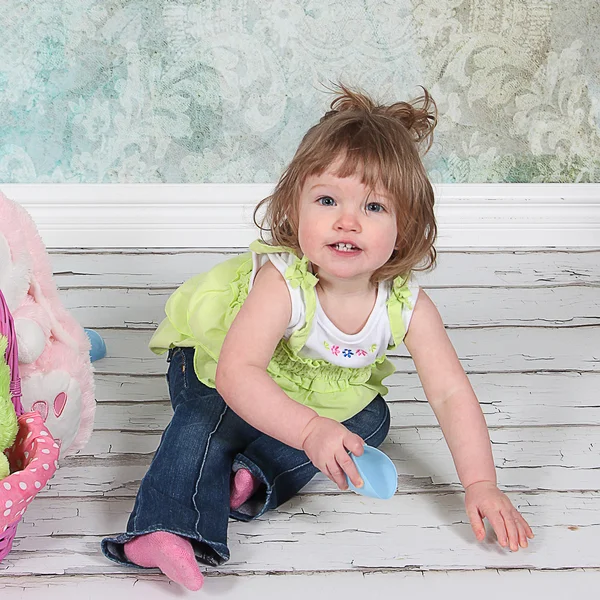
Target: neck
(333, 286)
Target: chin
(346, 272)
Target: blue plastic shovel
(378, 474)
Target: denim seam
(290, 471)
(380, 426)
(186, 383)
(197, 524)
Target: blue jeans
(186, 489)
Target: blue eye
(326, 201)
(375, 207)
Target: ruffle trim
(317, 375)
(238, 288)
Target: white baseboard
(220, 215)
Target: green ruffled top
(200, 312)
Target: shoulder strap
(260, 247)
(298, 276)
(400, 299)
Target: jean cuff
(259, 502)
(207, 552)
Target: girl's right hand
(326, 443)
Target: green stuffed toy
(8, 417)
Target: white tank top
(325, 341)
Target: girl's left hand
(484, 499)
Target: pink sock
(172, 554)
(244, 485)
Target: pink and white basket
(34, 455)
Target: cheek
(389, 234)
(307, 238)
(309, 226)
(303, 237)
(388, 242)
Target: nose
(348, 220)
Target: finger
(337, 475)
(499, 527)
(522, 534)
(525, 525)
(511, 529)
(520, 519)
(326, 472)
(347, 465)
(528, 530)
(476, 522)
(355, 444)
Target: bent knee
(372, 423)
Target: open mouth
(344, 247)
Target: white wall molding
(220, 215)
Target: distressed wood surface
(459, 307)
(553, 458)
(506, 399)
(142, 402)
(494, 349)
(450, 585)
(526, 326)
(493, 268)
(348, 532)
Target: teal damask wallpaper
(198, 91)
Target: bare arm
(450, 394)
(454, 403)
(243, 382)
(242, 377)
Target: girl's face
(345, 229)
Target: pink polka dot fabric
(33, 460)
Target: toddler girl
(277, 356)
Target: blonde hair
(382, 143)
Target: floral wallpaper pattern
(194, 91)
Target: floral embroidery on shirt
(347, 352)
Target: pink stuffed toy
(56, 373)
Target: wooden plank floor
(526, 325)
